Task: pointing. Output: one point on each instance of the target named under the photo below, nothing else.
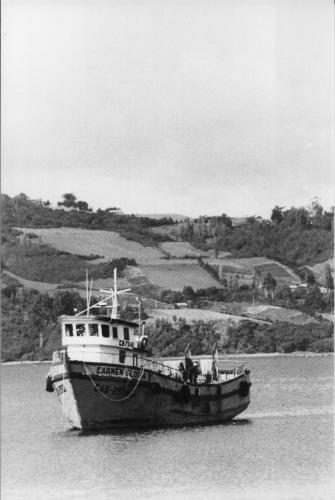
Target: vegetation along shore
(253, 286)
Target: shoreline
(300, 354)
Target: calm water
(282, 447)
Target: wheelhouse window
(80, 330)
(105, 331)
(122, 356)
(126, 333)
(69, 330)
(93, 329)
(114, 332)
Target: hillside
(46, 252)
(108, 245)
(294, 237)
(169, 337)
(174, 217)
(319, 271)
(85, 248)
(61, 254)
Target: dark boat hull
(106, 396)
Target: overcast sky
(193, 107)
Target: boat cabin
(102, 330)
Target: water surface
(282, 447)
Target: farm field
(319, 270)
(175, 276)
(40, 286)
(275, 313)
(109, 244)
(173, 231)
(154, 269)
(266, 312)
(43, 287)
(194, 315)
(246, 267)
(181, 248)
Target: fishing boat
(105, 377)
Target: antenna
(115, 304)
(113, 293)
(87, 296)
(139, 315)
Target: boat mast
(113, 293)
(87, 296)
(114, 314)
(139, 315)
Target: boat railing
(228, 373)
(160, 368)
(169, 371)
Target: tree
(269, 285)
(316, 212)
(314, 300)
(309, 278)
(277, 214)
(224, 219)
(188, 293)
(189, 232)
(83, 205)
(329, 280)
(69, 201)
(218, 236)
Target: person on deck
(183, 371)
(189, 369)
(214, 371)
(196, 371)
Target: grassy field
(181, 248)
(110, 245)
(173, 231)
(265, 312)
(198, 315)
(246, 267)
(49, 288)
(194, 315)
(154, 269)
(175, 276)
(319, 270)
(274, 313)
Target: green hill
(46, 252)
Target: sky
(191, 107)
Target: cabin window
(114, 332)
(105, 330)
(122, 356)
(135, 360)
(80, 330)
(93, 329)
(69, 330)
(126, 333)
